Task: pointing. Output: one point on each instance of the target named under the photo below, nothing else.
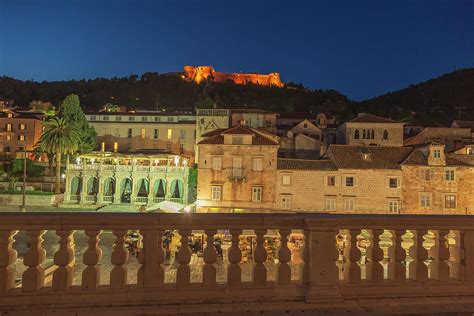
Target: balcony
(363, 264)
(236, 173)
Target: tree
(59, 137)
(71, 112)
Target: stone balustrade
(358, 263)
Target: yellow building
(237, 170)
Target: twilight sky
(361, 48)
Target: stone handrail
(337, 266)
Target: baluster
(210, 256)
(8, 257)
(284, 256)
(439, 268)
(64, 258)
(151, 273)
(118, 275)
(418, 271)
(374, 269)
(33, 277)
(259, 257)
(456, 262)
(397, 269)
(92, 256)
(352, 254)
(183, 274)
(234, 272)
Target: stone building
(370, 130)
(464, 124)
(437, 182)
(452, 137)
(172, 133)
(20, 131)
(304, 141)
(104, 178)
(237, 170)
(351, 179)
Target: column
(374, 269)
(397, 268)
(352, 256)
(417, 270)
(234, 272)
(439, 268)
(8, 257)
(118, 275)
(92, 256)
(33, 277)
(64, 258)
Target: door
(237, 166)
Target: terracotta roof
(303, 164)
(418, 158)
(369, 118)
(465, 124)
(239, 130)
(214, 132)
(378, 157)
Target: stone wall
(347, 134)
(33, 200)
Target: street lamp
(23, 205)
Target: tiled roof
(296, 115)
(214, 132)
(239, 130)
(303, 164)
(369, 118)
(465, 124)
(251, 111)
(418, 158)
(378, 157)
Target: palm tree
(59, 137)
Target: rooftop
(369, 118)
(303, 164)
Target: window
(470, 151)
(393, 206)
(385, 134)
(118, 118)
(216, 192)
(144, 119)
(157, 119)
(131, 118)
(425, 200)
(427, 174)
(286, 179)
(217, 163)
(330, 204)
(142, 133)
(22, 127)
(393, 183)
(331, 181)
(21, 148)
(449, 175)
(6, 150)
(8, 127)
(155, 134)
(285, 202)
(450, 201)
(169, 134)
(268, 123)
(92, 117)
(305, 125)
(348, 205)
(21, 137)
(257, 194)
(9, 137)
(115, 147)
(257, 164)
(182, 134)
(356, 134)
(437, 153)
(170, 119)
(129, 135)
(349, 181)
(105, 118)
(237, 140)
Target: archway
(76, 186)
(159, 188)
(92, 186)
(109, 187)
(177, 189)
(143, 188)
(125, 190)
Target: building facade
(370, 130)
(452, 137)
(237, 171)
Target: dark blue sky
(361, 48)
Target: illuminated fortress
(200, 73)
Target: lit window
(330, 205)
(237, 140)
(348, 205)
(9, 137)
(349, 181)
(393, 183)
(257, 164)
(216, 192)
(257, 194)
(21, 137)
(449, 175)
(217, 163)
(393, 206)
(22, 127)
(10, 115)
(115, 147)
(142, 133)
(450, 201)
(425, 200)
(286, 179)
(331, 181)
(8, 127)
(285, 202)
(169, 134)
(436, 153)
(427, 174)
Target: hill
(432, 102)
